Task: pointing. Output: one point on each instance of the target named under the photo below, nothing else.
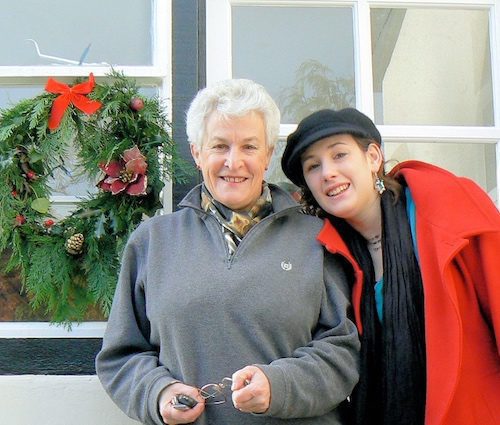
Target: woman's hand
(172, 416)
(251, 390)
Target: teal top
(410, 210)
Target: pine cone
(74, 245)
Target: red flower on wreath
(127, 175)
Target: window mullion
(8, 73)
(444, 134)
(218, 40)
(495, 60)
(363, 57)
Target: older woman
(228, 311)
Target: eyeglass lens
(214, 393)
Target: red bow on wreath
(74, 95)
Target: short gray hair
(232, 98)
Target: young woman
(427, 302)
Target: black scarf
(392, 384)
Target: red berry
(136, 104)
(20, 219)
(14, 193)
(48, 222)
(31, 175)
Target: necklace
(375, 240)
(374, 243)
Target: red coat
(458, 238)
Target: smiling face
(339, 174)
(233, 159)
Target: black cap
(321, 124)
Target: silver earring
(379, 185)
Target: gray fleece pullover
(183, 310)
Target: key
(183, 402)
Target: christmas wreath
(70, 264)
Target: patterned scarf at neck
(235, 225)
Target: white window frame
(218, 13)
(159, 74)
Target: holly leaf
(41, 205)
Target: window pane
(432, 67)
(118, 32)
(14, 302)
(10, 95)
(274, 172)
(70, 181)
(480, 165)
(302, 55)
